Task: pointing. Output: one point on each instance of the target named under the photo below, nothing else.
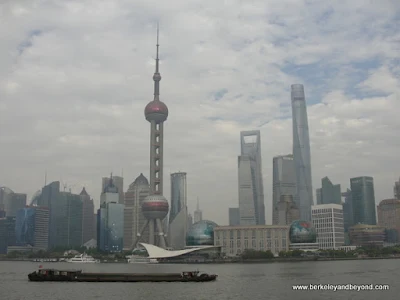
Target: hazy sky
(75, 77)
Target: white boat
(136, 259)
(83, 258)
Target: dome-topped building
(303, 236)
(201, 234)
(302, 232)
(141, 180)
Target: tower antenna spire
(157, 76)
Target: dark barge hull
(101, 277)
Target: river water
(235, 281)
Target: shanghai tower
(155, 206)
(301, 151)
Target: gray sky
(75, 77)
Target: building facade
(389, 217)
(348, 215)
(178, 214)
(234, 240)
(118, 181)
(363, 199)
(329, 192)
(283, 182)
(396, 190)
(250, 179)
(301, 151)
(110, 220)
(329, 225)
(88, 230)
(234, 216)
(365, 235)
(198, 213)
(31, 227)
(134, 219)
(287, 210)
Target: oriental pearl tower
(155, 207)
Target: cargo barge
(79, 276)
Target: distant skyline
(72, 92)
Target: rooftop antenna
(45, 177)
(198, 207)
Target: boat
(83, 258)
(79, 276)
(137, 259)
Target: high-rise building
(389, 216)
(110, 227)
(49, 195)
(301, 151)
(118, 181)
(363, 198)
(283, 182)
(3, 236)
(11, 202)
(198, 213)
(88, 232)
(348, 215)
(155, 207)
(178, 215)
(329, 192)
(234, 216)
(31, 227)
(65, 222)
(134, 219)
(189, 222)
(396, 190)
(288, 211)
(328, 222)
(67, 211)
(251, 189)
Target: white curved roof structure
(157, 252)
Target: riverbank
(229, 261)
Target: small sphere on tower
(155, 207)
(157, 77)
(156, 111)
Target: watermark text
(341, 287)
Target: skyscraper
(134, 219)
(110, 217)
(155, 207)
(389, 217)
(329, 192)
(283, 182)
(88, 232)
(287, 210)
(396, 190)
(348, 216)
(363, 198)
(301, 151)
(178, 216)
(198, 214)
(118, 181)
(234, 216)
(11, 202)
(251, 189)
(32, 227)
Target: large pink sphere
(156, 111)
(155, 207)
